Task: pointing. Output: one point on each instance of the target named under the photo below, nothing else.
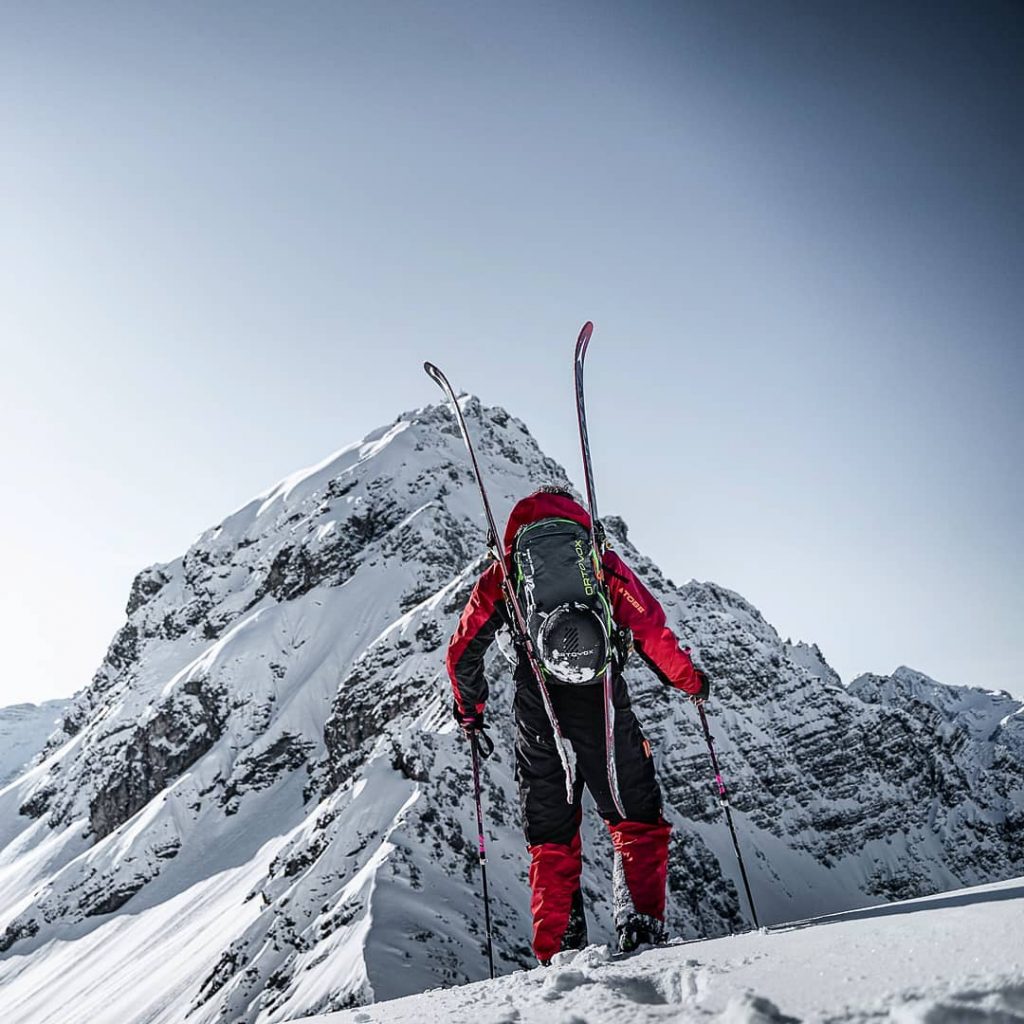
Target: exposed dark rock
(373, 694)
(222, 972)
(257, 771)
(16, 931)
(409, 764)
(159, 751)
(39, 802)
(112, 896)
(294, 861)
(145, 586)
(341, 486)
(429, 635)
(122, 653)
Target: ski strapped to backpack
(519, 628)
(596, 553)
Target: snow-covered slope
(957, 958)
(24, 729)
(259, 808)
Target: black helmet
(573, 644)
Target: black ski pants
(547, 816)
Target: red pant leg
(554, 878)
(641, 855)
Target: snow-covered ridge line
(266, 759)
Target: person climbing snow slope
(579, 629)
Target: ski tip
(581, 345)
(432, 371)
(584, 339)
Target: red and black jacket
(633, 606)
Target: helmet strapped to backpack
(567, 614)
(572, 643)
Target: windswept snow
(955, 958)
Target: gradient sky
(232, 232)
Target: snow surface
(954, 958)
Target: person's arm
(480, 620)
(634, 606)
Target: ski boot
(638, 930)
(575, 936)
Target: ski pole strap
(482, 742)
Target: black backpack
(567, 613)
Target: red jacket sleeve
(480, 621)
(634, 606)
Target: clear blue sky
(232, 232)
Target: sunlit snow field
(952, 958)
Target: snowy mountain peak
(263, 787)
(977, 711)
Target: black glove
(470, 721)
(472, 724)
(705, 688)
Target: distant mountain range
(24, 728)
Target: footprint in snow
(680, 984)
(752, 1009)
(592, 956)
(992, 1003)
(564, 981)
(509, 1016)
(636, 990)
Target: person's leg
(556, 901)
(640, 840)
(551, 824)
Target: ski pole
(481, 846)
(723, 799)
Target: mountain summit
(259, 809)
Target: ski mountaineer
(565, 643)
